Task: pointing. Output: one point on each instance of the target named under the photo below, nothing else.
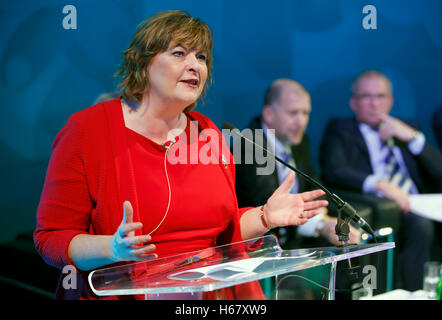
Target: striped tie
(393, 171)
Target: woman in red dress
(111, 193)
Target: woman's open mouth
(193, 83)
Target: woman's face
(177, 76)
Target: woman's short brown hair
(153, 36)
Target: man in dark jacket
(375, 153)
(281, 127)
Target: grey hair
(369, 74)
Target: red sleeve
(65, 205)
(243, 210)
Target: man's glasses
(368, 97)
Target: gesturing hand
(284, 208)
(124, 245)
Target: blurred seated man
(286, 109)
(378, 154)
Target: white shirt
(278, 149)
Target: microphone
(345, 207)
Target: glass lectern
(220, 267)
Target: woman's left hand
(284, 208)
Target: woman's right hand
(124, 245)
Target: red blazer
(88, 178)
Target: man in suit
(283, 121)
(375, 153)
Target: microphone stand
(342, 230)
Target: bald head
(287, 109)
(370, 74)
(275, 91)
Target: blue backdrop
(48, 72)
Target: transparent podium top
(218, 267)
